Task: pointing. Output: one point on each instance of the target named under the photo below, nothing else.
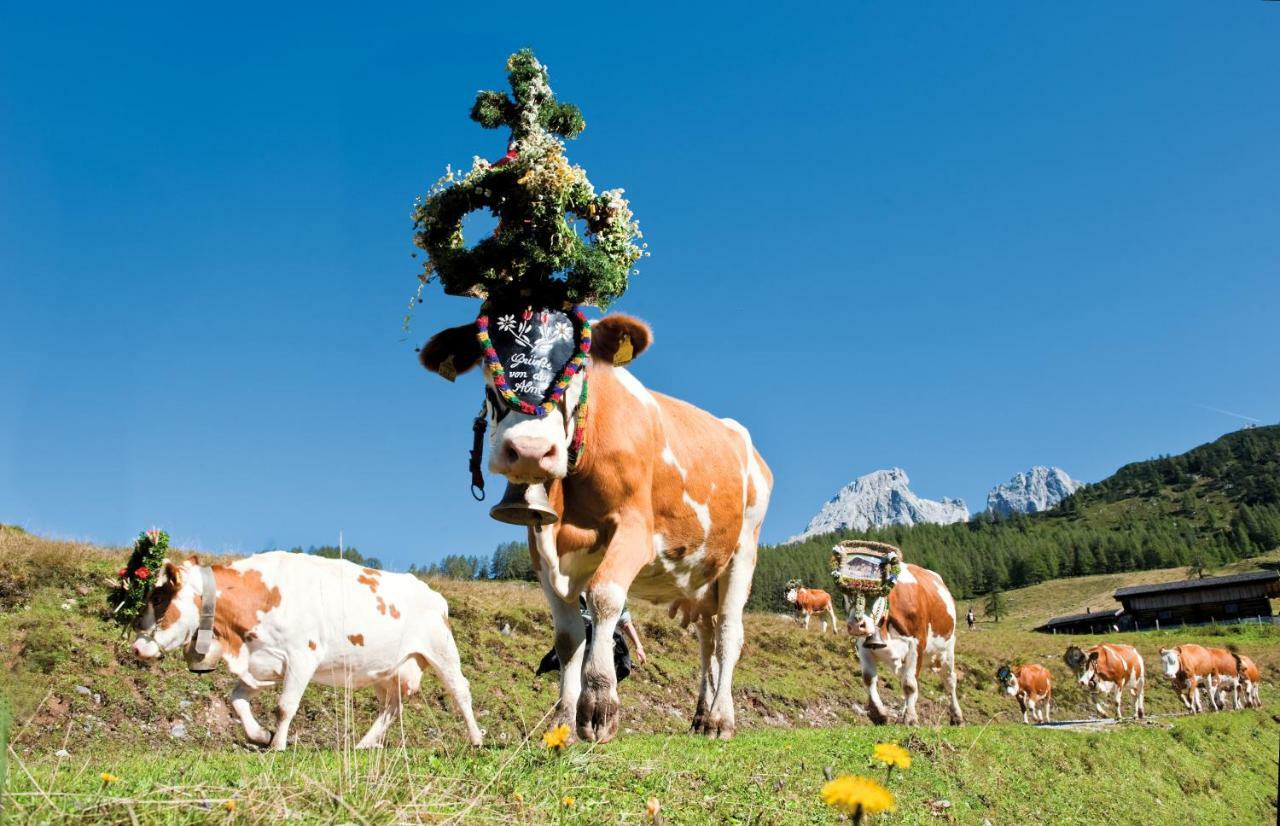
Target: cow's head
(860, 623)
(792, 591)
(1004, 676)
(525, 448)
(1169, 662)
(171, 616)
(1088, 675)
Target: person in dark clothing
(621, 654)
(970, 618)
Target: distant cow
(811, 601)
(1032, 686)
(1187, 667)
(297, 618)
(1110, 669)
(920, 624)
(1226, 678)
(665, 502)
(1250, 680)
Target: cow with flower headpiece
(625, 492)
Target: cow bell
(525, 505)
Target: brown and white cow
(1226, 678)
(811, 601)
(1109, 669)
(1250, 680)
(919, 625)
(665, 503)
(295, 618)
(1032, 686)
(1188, 667)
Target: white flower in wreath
(507, 323)
(563, 330)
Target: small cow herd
(654, 498)
(1110, 670)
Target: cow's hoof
(877, 716)
(957, 719)
(598, 715)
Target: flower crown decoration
(793, 584)
(129, 598)
(540, 201)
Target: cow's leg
(1022, 704)
(1119, 701)
(442, 655)
(297, 675)
(908, 674)
(807, 617)
(571, 645)
(599, 709)
(389, 705)
(1140, 701)
(831, 612)
(875, 709)
(949, 681)
(707, 677)
(240, 703)
(735, 586)
(1212, 691)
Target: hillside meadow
(81, 706)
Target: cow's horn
(525, 505)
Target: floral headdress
(558, 242)
(129, 598)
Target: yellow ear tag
(625, 352)
(447, 370)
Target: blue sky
(961, 239)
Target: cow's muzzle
(528, 460)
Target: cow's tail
(1235, 655)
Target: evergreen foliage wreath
(128, 599)
(540, 201)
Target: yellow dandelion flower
(567, 800)
(891, 754)
(857, 796)
(557, 738)
(519, 798)
(230, 805)
(108, 777)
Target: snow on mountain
(878, 499)
(1034, 491)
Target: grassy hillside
(170, 737)
(1212, 505)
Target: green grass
(74, 685)
(1205, 770)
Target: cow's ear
(194, 560)
(619, 338)
(173, 574)
(452, 352)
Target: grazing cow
(1226, 678)
(1187, 666)
(1032, 686)
(812, 601)
(920, 624)
(1111, 668)
(297, 618)
(665, 502)
(1250, 679)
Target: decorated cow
(1107, 671)
(293, 619)
(1032, 686)
(648, 496)
(911, 620)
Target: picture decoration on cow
(557, 241)
(863, 568)
(128, 599)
